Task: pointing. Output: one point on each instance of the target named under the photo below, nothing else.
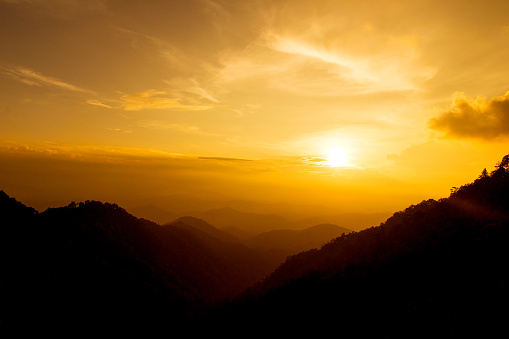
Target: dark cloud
(474, 118)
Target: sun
(337, 157)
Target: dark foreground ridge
(438, 268)
(92, 267)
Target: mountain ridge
(229, 218)
(286, 242)
(438, 267)
(119, 270)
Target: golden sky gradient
(361, 105)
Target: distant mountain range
(353, 221)
(120, 268)
(246, 224)
(181, 204)
(438, 268)
(273, 246)
(198, 225)
(279, 244)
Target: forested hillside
(92, 266)
(438, 268)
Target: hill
(242, 260)
(245, 223)
(198, 226)
(242, 224)
(272, 246)
(438, 268)
(352, 221)
(279, 244)
(92, 266)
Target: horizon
(357, 107)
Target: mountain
(92, 266)
(181, 204)
(282, 243)
(241, 259)
(438, 268)
(175, 203)
(199, 225)
(74, 269)
(13, 211)
(245, 223)
(353, 221)
(242, 224)
(273, 246)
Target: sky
(359, 105)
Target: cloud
(106, 154)
(154, 124)
(474, 118)
(328, 66)
(153, 99)
(224, 159)
(32, 78)
(119, 130)
(328, 53)
(190, 88)
(351, 68)
(98, 103)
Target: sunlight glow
(337, 157)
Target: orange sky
(360, 105)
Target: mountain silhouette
(352, 221)
(163, 209)
(92, 266)
(438, 268)
(240, 223)
(272, 246)
(247, 265)
(200, 225)
(279, 244)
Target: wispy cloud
(33, 78)
(92, 153)
(153, 99)
(119, 130)
(98, 103)
(186, 88)
(176, 127)
(190, 88)
(152, 39)
(392, 68)
(224, 159)
(352, 68)
(169, 126)
(324, 55)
